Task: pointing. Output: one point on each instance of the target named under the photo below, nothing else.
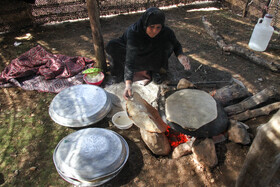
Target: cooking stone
(91, 154)
(80, 105)
(190, 108)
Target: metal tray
(91, 155)
(80, 106)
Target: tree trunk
(98, 44)
(263, 158)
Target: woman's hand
(184, 60)
(128, 90)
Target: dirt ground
(31, 164)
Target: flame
(175, 138)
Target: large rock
(144, 115)
(204, 152)
(183, 149)
(157, 142)
(237, 133)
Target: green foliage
(28, 138)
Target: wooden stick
(241, 51)
(257, 112)
(252, 101)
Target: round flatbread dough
(191, 109)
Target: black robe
(135, 51)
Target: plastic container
(94, 82)
(261, 34)
(121, 120)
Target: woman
(143, 50)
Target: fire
(175, 138)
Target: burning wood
(175, 138)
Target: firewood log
(251, 102)
(257, 112)
(229, 93)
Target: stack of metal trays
(80, 106)
(90, 157)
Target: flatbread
(144, 115)
(191, 109)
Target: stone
(157, 142)
(237, 133)
(144, 115)
(204, 152)
(182, 150)
(184, 83)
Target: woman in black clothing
(144, 49)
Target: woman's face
(153, 30)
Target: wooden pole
(98, 43)
(263, 158)
(245, 10)
(265, 9)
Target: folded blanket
(37, 69)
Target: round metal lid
(80, 105)
(91, 154)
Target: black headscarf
(153, 16)
(150, 16)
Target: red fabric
(37, 61)
(40, 70)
